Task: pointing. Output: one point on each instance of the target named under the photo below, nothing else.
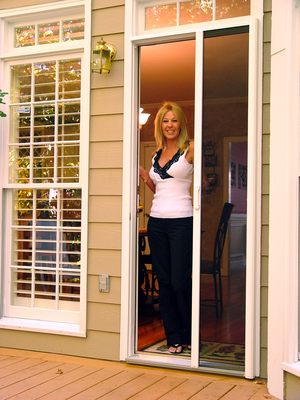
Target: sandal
(175, 349)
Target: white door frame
(128, 305)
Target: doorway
(167, 72)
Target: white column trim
(283, 301)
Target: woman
(171, 223)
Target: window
(43, 185)
(45, 257)
(45, 121)
(164, 14)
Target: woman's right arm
(144, 175)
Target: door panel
(210, 82)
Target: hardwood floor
(230, 328)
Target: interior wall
(221, 119)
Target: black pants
(171, 243)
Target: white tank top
(172, 198)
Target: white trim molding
(128, 306)
(283, 300)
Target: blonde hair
(183, 139)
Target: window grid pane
(73, 29)
(192, 12)
(25, 36)
(46, 234)
(232, 8)
(161, 16)
(50, 32)
(45, 134)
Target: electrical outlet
(104, 283)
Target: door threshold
(184, 363)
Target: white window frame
(12, 17)
(141, 5)
(128, 305)
(283, 301)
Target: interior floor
(228, 328)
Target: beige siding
(105, 187)
(98, 344)
(103, 316)
(292, 384)
(106, 261)
(106, 181)
(265, 185)
(105, 236)
(111, 128)
(107, 101)
(106, 155)
(97, 4)
(107, 21)
(105, 209)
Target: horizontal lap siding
(105, 180)
(265, 186)
(98, 344)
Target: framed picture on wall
(242, 176)
(210, 155)
(210, 160)
(233, 174)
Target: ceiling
(167, 71)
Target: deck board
(24, 384)
(26, 375)
(214, 391)
(240, 393)
(19, 366)
(186, 390)
(165, 385)
(80, 385)
(107, 386)
(8, 361)
(64, 375)
(133, 387)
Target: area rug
(210, 351)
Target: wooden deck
(27, 375)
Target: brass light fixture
(103, 55)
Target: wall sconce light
(103, 55)
(143, 117)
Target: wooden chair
(213, 267)
(147, 278)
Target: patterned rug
(210, 351)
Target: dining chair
(148, 278)
(213, 266)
